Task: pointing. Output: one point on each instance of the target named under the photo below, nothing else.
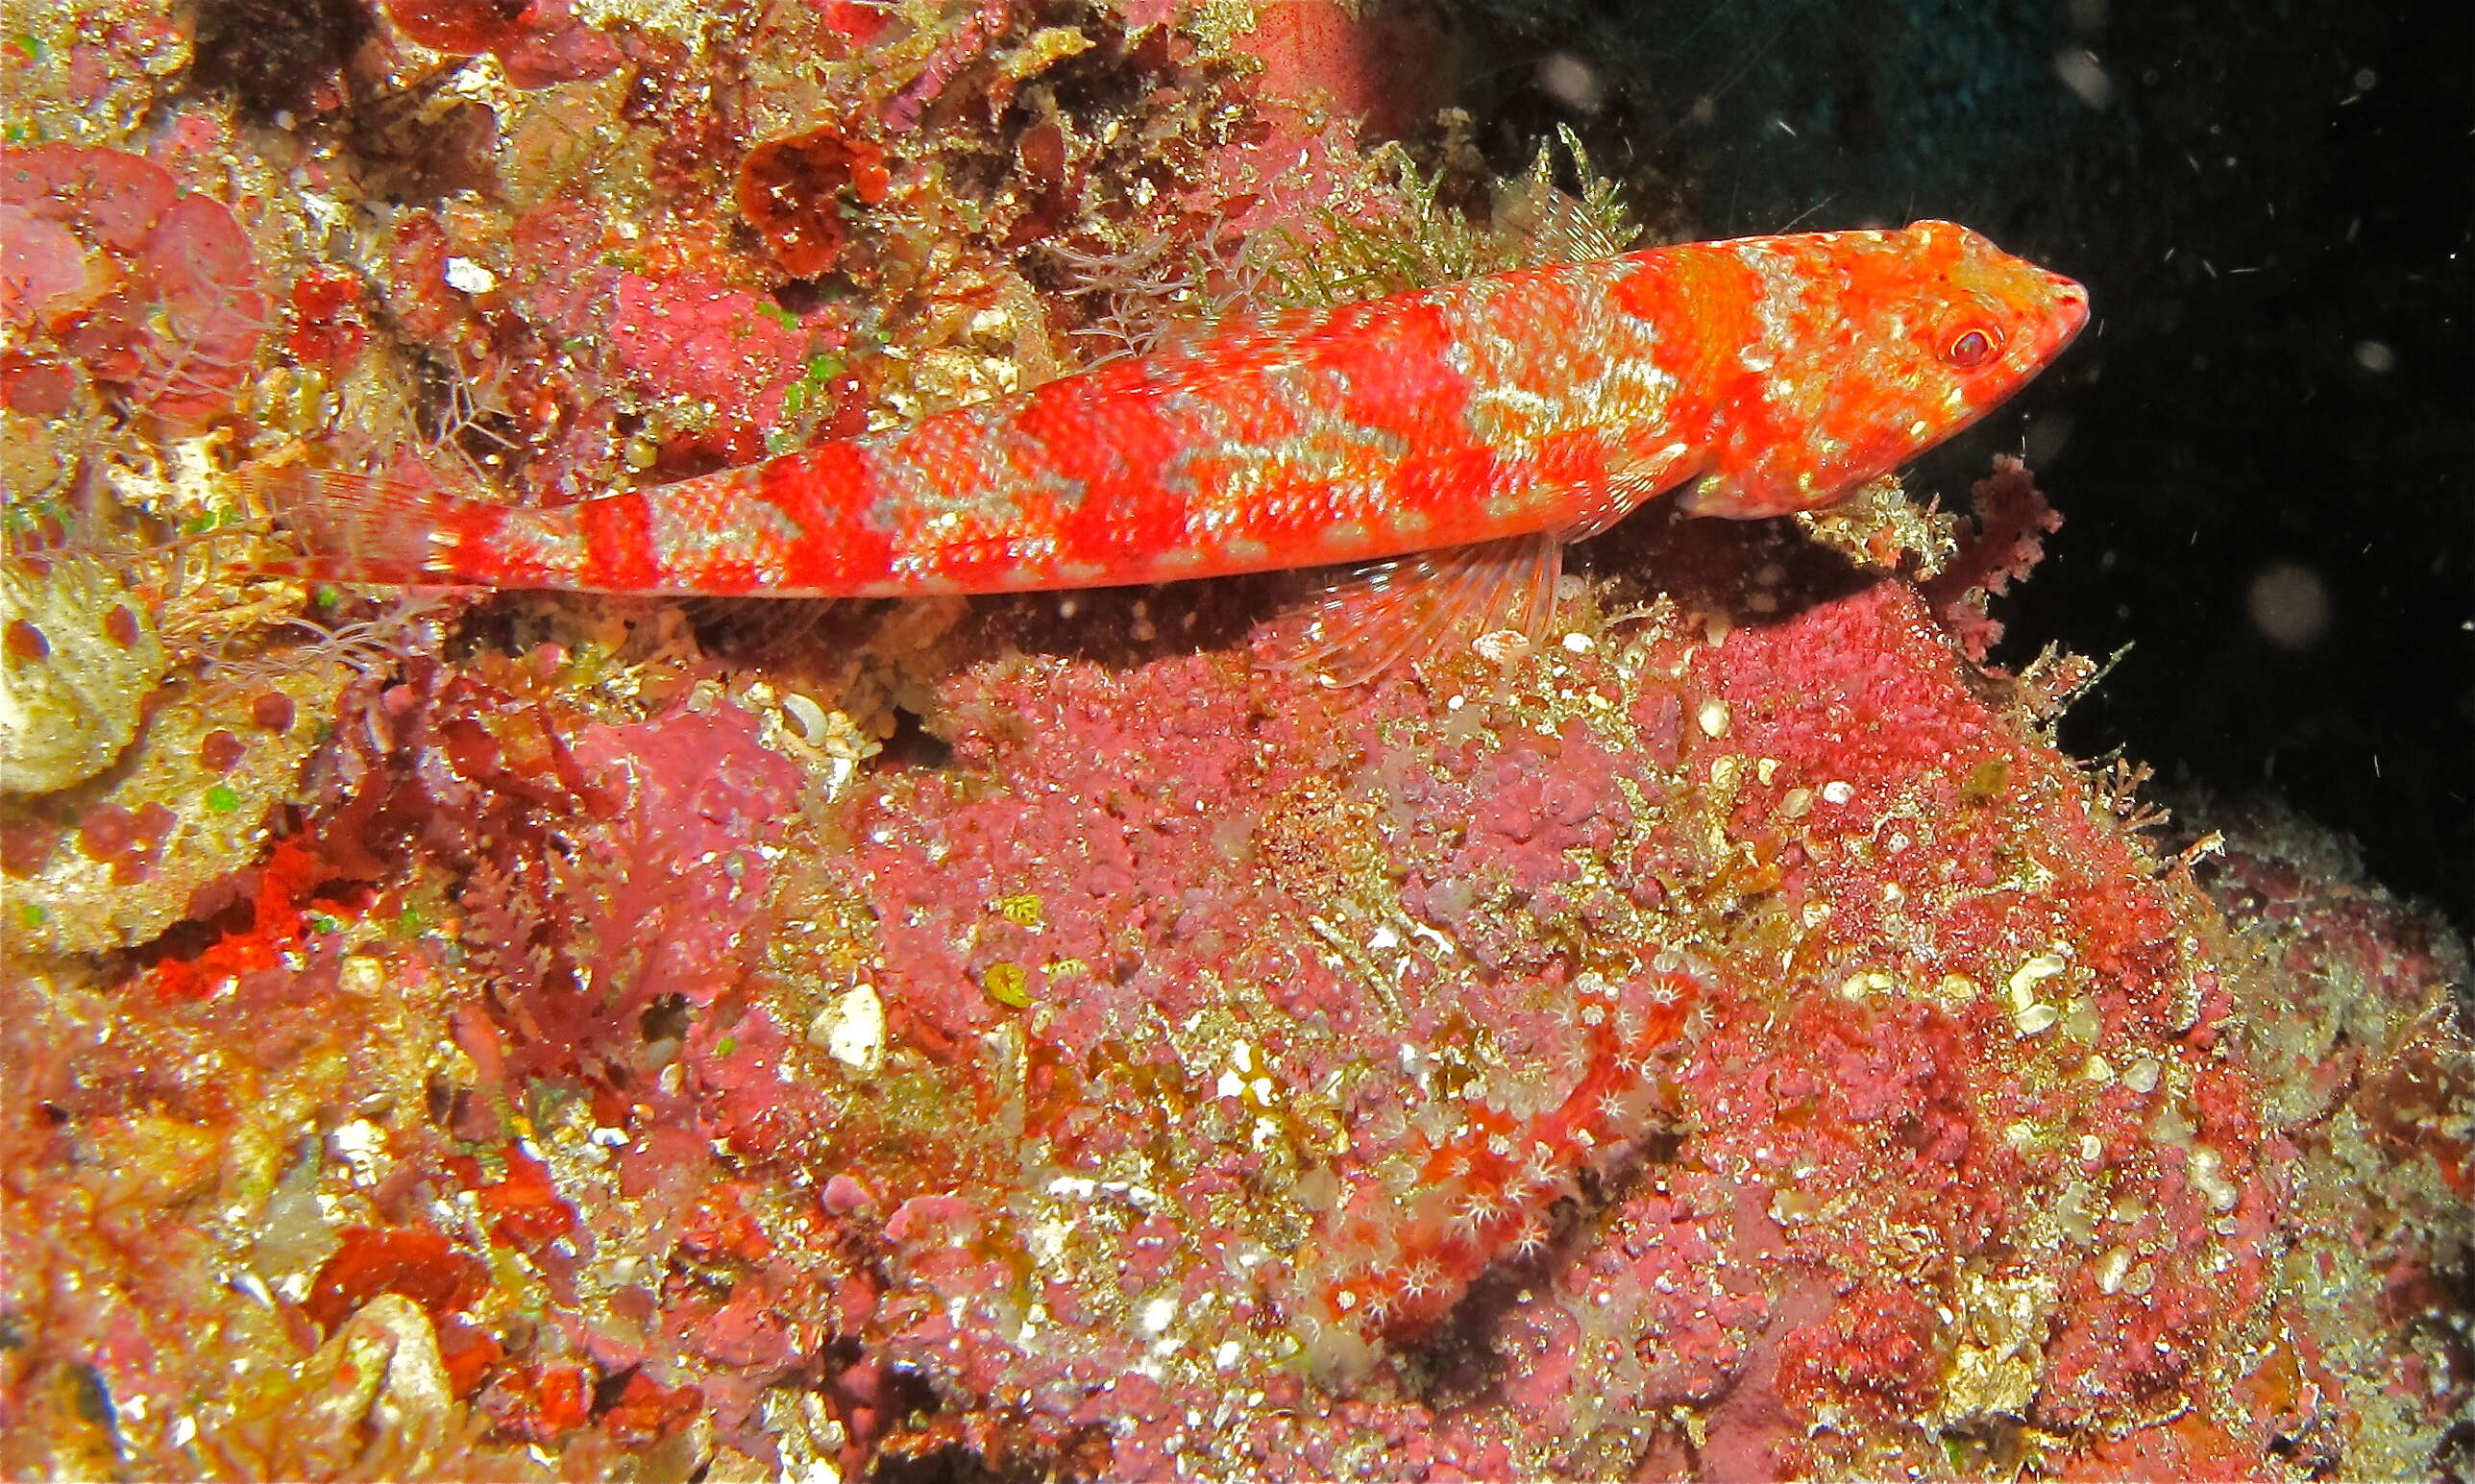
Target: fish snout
(2070, 314)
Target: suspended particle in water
(2289, 604)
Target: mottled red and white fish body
(1466, 432)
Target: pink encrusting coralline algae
(1732, 1042)
(1708, 1029)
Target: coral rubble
(530, 1035)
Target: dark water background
(2273, 206)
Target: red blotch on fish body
(1392, 361)
(618, 541)
(1114, 446)
(825, 492)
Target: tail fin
(377, 528)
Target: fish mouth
(2071, 309)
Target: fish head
(1873, 347)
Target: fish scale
(1456, 438)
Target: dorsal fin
(1547, 223)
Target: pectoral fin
(1631, 479)
(1410, 608)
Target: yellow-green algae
(81, 654)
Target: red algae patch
(792, 191)
(152, 291)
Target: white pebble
(852, 1029)
(1503, 647)
(2036, 972)
(810, 717)
(2036, 1018)
(469, 277)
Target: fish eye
(1972, 346)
